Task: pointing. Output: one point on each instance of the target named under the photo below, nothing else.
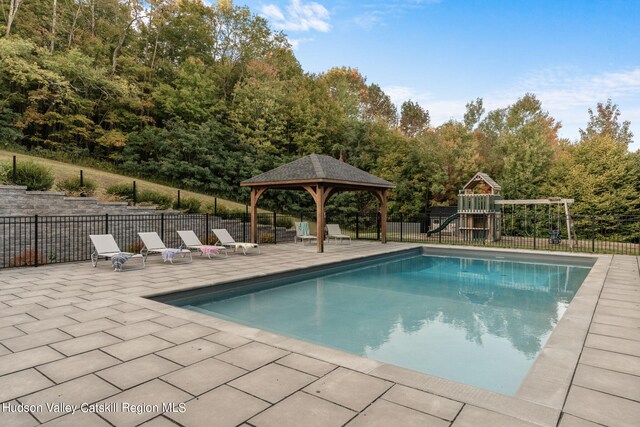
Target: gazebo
(322, 176)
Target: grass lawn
(103, 179)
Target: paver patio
(72, 334)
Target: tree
(606, 122)
(413, 119)
(473, 113)
(14, 5)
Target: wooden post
(255, 195)
(320, 216)
(383, 216)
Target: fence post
(593, 233)
(215, 206)
(244, 228)
(275, 229)
(377, 225)
(440, 232)
(35, 253)
(535, 228)
(357, 225)
(14, 174)
(134, 193)
(106, 223)
(401, 220)
(162, 226)
(81, 178)
(178, 199)
(206, 226)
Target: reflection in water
(481, 322)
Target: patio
(71, 334)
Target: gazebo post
(255, 195)
(320, 216)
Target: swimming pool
(479, 319)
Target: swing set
(554, 204)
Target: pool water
(477, 321)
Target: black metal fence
(38, 240)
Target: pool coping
(542, 393)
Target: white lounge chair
(333, 230)
(105, 246)
(302, 233)
(190, 241)
(154, 244)
(225, 239)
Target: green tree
(413, 119)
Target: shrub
(122, 191)
(284, 221)
(27, 258)
(35, 176)
(155, 198)
(135, 247)
(264, 219)
(266, 238)
(188, 205)
(72, 187)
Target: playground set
(481, 213)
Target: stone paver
(136, 347)
(136, 330)
(84, 343)
(272, 382)
(37, 339)
(90, 327)
(45, 324)
(349, 388)
(383, 413)
(81, 419)
(184, 333)
(306, 364)
(21, 383)
(221, 407)
(77, 366)
(472, 416)
(203, 376)
(302, 409)
(227, 339)
(602, 408)
(192, 352)
(27, 359)
(67, 397)
(423, 402)
(15, 417)
(137, 371)
(611, 382)
(252, 356)
(142, 403)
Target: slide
(444, 224)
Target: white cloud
(368, 21)
(295, 43)
(298, 16)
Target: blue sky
(443, 53)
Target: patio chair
(333, 230)
(225, 239)
(105, 246)
(191, 241)
(302, 232)
(154, 244)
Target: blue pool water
(476, 321)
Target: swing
(554, 232)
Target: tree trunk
(53, 26)
(73, 24)
(14, 5)
(93, 17)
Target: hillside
(62, 171)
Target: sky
(444, 53)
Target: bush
(188, 205)
(155, 198)
(284, 221)
(35, 176)
(266, 238)
(264, 219)
(122, 191)
(72, 187)
(27, 258)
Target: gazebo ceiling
(317, 168)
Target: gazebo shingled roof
(317, 168)
(322, 176)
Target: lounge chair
(225, 239)
(105, 246)
(302, 232)
(333, 230)
(154, 244)
(191, 241)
